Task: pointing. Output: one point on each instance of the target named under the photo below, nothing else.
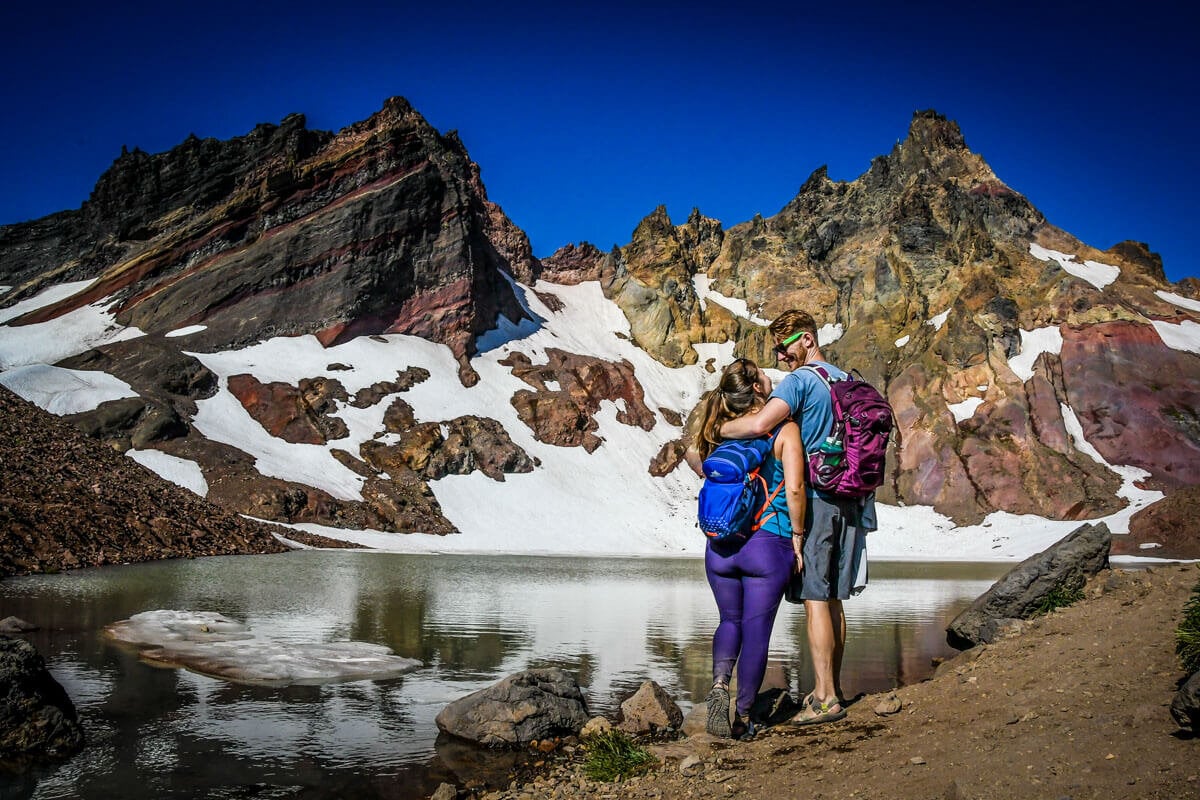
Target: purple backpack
(850, 462)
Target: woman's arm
(692, 457)
(790, 450)
(760, 423)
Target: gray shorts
(835, 543)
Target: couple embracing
(817, 536)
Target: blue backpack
(734, 495)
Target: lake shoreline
(1075, 705)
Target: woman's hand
(798, 549)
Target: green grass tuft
(1059, 597)
(612, 755)
(1187, 635)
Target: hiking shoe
(717, 723)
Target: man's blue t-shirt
(808, 400)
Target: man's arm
(760, 423)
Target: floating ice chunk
(212, 644)
(1182, 302)
(1184, 336)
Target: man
(829, 552)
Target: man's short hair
(793, 321)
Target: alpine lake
(163, 732)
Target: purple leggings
(748, 583)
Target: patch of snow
(65, 391)
(739, 308)
(180, 471)
(829, 333)
(5, 289)
(68, 335)
(966, 409)
(212, 644)
(938, 321)
(1033, 344)
(553, 386)
(1075, 431)
(1094, 272)
(46, 297)
(982, 387)
(903, 340)
(1148, 545)
(1184, 336)
(188, 331)
(1182, 302)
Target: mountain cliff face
(929, 230)
(1017, 358)
(383, 227)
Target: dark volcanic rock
(37, 718)
(69, 502)
(382, 227)
(1065, 566)
(529, 705)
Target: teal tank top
(779, 523)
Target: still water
(471, 620)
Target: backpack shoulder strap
(820, 372)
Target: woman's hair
(733, 397)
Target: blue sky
(585, 119)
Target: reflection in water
(470, 619)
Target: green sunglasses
(782, 347)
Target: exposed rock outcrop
(567, 392)
(529, 705)
(1027, 589)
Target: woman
(748, 577)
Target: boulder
(1022, 592)
(533, 704)
(37, 718)
(650, 709)
(1185, 708)
(16, 625)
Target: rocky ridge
(928, 273)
